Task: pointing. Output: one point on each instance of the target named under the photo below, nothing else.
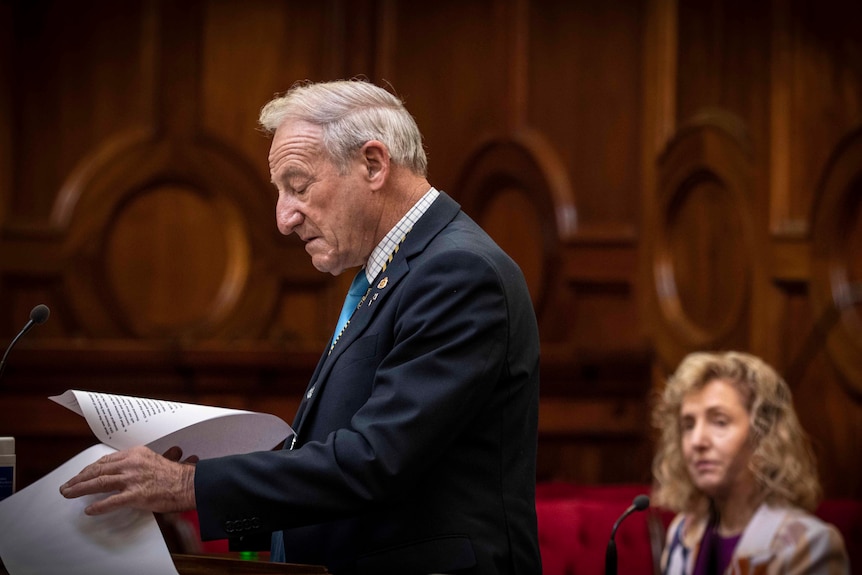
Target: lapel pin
(382, 284)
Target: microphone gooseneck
(38, 316)
(640, 503)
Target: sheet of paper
(123, 421)
(43, 533)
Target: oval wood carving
(175, 260)
(836, 280)
(160, 238)
(701, 265)
(518, 191)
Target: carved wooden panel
(670, 176)
(785, 282)
(583, 94)
(837, 260)
(438, 76)
(163, 225)
(701, 266)
(519, 192)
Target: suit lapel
(383, 285)
(439, 214)
(755, 544)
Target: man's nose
(287, 216)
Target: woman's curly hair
(782, 462)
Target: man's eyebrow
(291, 174)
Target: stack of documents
(43, 533)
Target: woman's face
(715, 428)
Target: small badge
(383, 283)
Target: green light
(248, 555)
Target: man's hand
(137, 478)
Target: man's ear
(375, 155)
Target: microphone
(38, 316)
(640, 503)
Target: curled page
(43, 533)
(123, 421)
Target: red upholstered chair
(575, 523)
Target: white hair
(351, 113)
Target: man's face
(715, 439)
(329, 211)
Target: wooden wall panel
(263, 49)
(78, 82)
(789, 284)
(723, 58)
(671, 176)
(447, 61)
(584, 96)
(823, 81)
(6, 113)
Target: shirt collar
(397, 233)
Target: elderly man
(415, 445)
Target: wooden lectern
(229, 564)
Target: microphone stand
(640, 503)
(38, 315)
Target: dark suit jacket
(416, 441)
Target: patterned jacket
(777, 540)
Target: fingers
(91, 479)
(102, 476)
(137, 478)
(108, 504)
(173, 453)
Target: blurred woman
(735, 463)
